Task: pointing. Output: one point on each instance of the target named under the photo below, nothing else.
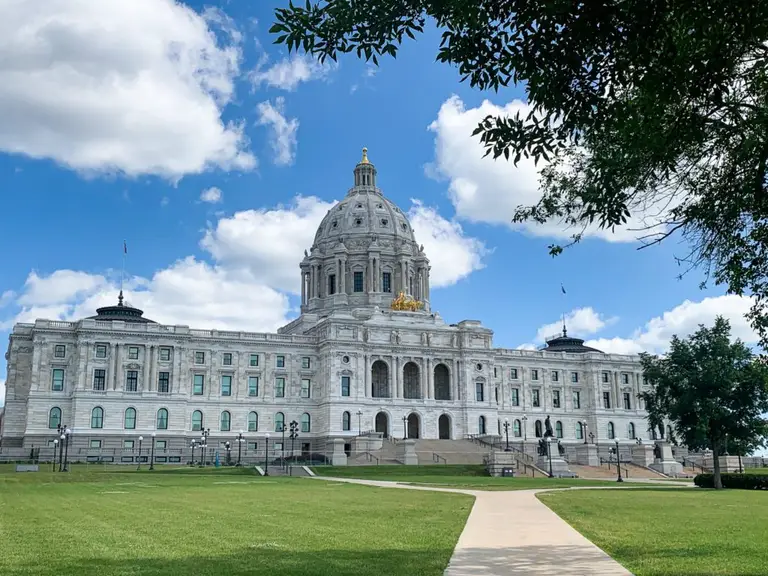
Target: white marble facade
(348, 364)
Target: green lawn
(662, 532)
(175, 522)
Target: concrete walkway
(512, 532)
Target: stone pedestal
(501, 463)
(642, 455)
(559, 467)
(338, 456)
(367, 443)
(586, 455)
(666, 464)
(727, 463)
(405, 452)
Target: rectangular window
(357, 282)
(253, 445)
(280, 362)
(253, 385)
(99, 379)
(625, 378)
(127, 444)
(198, 384)
(534, 374)
(513, 373)
(132, 381)
(305, 362)
(515, 397)
(226, 385)
(279, 387)
(332, 284)
(254, 360)
(555, 398)
(627, 401)
(199, 357)
(165, 354)
(226, 359)
(494, 372)
(94, 444)
(606, 399)
(576, 399)
(160, 445)
(133, 353)
(386, 282)
(345, 385)
(606, 377)
(574, 377)
(536, 398)
(555, 376)
(479, 392)
(305, 387)
(59, 351)
(101, 351)
(164, 382)
(57, 382)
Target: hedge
(737, 481)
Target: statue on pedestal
(548, 428)
(542, 450)
(657, 451)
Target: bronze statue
(548, 428)
(542, 447)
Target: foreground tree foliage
(653, 110)
(711, 390)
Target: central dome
(364, 252)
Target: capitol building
(367, 354)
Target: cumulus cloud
(452, 254)
(289, 72)
(282, 130)
(487, 190)
(211, 195)
(128, 86)
(7, 297)
(580, 322)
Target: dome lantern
(365, 173)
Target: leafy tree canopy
(650, 109)
(712, 390)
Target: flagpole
(122, 272)
(562, 288)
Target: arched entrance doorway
(382, 424)
(444, 427)
(481, 426)
(413, 425)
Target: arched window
(481, 425)
(380, 379)
(225, 421)
(559, 429)
(279, 422)
(631, 430)
(579, 431)
(345, 421)
(54, 417)
(253, 422)
(97, 417)
(537, 429)
(129, 422)
(162, 419)
(442, 379)
(411, 381)
(306, 423)
(611, 431)
(197, 420)
(518, 429)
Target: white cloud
(283, 131)
(289, 72)
(211, 195)
(61, 286)
(487, 190)
(269, 242)
(580, 322)
(7, 297)
(682, 321)
(128, 86)
(452, 255)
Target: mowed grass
(663, 532)
(449, 476)
(207, 522)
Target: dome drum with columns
(364, 253)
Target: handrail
(692, 464)
(371, 457)
(618, 464)
(437, 458)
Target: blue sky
(184, 131)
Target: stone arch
(538, 429)
(414, 425)
(442, 379)
(381, 424)
(411, 381)
(444, 427)
(380, 380)
(481, 426)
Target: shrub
(736, 481)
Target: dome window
(384, 222)
(334, 224)
(359, 206)
(379, 207)
(405, 226)
(358, 222)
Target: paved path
(511, 532)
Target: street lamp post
(359, 422)
(240, 440)
(55, 446)
(549, 452)
(192, 445)
(266, 455)
(405, 421)
(525, 428)
(141, 439)
(227, 447)
(591, 438)
(61, 452)
(618, 462)
(586, 429)
(152, 455)
(293, 435)
(67, 433)
(204, 445)
(506, 433)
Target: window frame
(227, 358)
(102, 347)
(251, 357)
(574, 377)
(627, 398)
(256, 392)
(54, 371)
(201, 424)
(57, 410)
(125, 418)
(164, 375)
(576, 399)
(479, 391)
(194, 384)
(536, 398)
(346, 386)
(556, 401)
(306, 391)
(228, 390)
(56, 348)
(515, 396)
(199, 357)
(281, 420)
(386, 282)
(228, 415)
(164, 354)
(98, 419)
(346, 421)
(513, 374)
(158, 420)
(280, 361)
(99, 379)
(306, 423)
(534, 374)
(555, 376)
(133, 352)
(279, 387)
(131, 377)
(606, 400)
(306, 363)
(253, 421)
(357, 275)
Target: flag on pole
(562, 288)
(125, 247)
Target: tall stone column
(303, 288)
(115, 363)
(426, 283)
(398, 377)
(152, 384)
(367, 375)
(371, 275)
(82, 368)
(430, 380)
(423, 384)
(343, 276)
(455, 381)
(147, 360)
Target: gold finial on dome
(365, 157)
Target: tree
(655, 110)
(713, 391)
